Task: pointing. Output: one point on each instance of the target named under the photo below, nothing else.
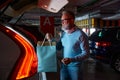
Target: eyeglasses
(66, 19)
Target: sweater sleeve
(84, 45)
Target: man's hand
(66, 61)
(49, 36)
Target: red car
(18, 58)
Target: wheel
(116, 63)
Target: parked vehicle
(105, 46)
(18, 58)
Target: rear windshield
(104, 34)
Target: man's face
(67, 21)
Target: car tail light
(26, 65)
(103, 44)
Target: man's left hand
(66, 61)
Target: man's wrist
(72, 59)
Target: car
(18, 58)
(104, 46)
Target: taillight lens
(103, 44)
(28, 61)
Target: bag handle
(44, 41)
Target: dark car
(105, 46)
(18, 58)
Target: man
(74, 43)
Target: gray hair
(70, 13)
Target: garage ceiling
(28, 13)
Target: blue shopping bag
(46, 53)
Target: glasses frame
(66, 19)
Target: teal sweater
(75, 46)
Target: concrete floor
(93, 70)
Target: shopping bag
(46, 53)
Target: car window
(107, 34)
(103, 34)
(94, 35)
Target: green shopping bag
(46, 53)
